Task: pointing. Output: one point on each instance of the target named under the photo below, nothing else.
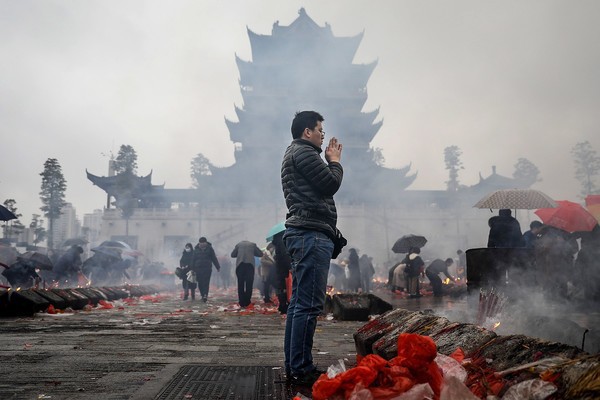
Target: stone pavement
(134, 349)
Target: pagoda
(302, 66)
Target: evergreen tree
(39, 232)
(587, 167)
(453, 165)
(200, 166)
(52, 194)
(12, 228)
(526, 172)
(126, 160)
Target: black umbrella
(75, 242)
(6, 214)
(114, 243)
(37, 259)
(107, 251)
(404, 244)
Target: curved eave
(349, 45)
(234, 131)
(107, 182)
(246, 70)
(371, 115)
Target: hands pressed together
(333, 152)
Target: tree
(13, 227)
(52, 194)
(587, 167)
(453, 165)
(126, 167)
(526, 172)
(201, 166)
(39, 232)
(126, 160)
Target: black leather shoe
(307, 379)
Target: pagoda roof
(296, 35)
(497, 182)
(252, 74)
(110, 183)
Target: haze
(500, 79)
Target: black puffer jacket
(308, 186)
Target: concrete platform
(134, 350)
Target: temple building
(244, 200)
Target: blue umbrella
(280, 227)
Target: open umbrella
(404, 244)
(278, 228)
(74, 242)
(108, 251)
(568, 216)
(6, 214)
(114, 243)
(516, 199)
(592, 203)
(37, 259)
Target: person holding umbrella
(505, 230)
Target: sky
(499, 79)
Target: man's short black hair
(449, 261)
(303, 120)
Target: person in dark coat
(311, 236)
(353, 271)
(185, 264)
(554, 254)
(530, 236)
(203, 259)
(587, 265)
(69, 266)
(505, 230)
(414, 267)
(21, 274)
(366, 272)
(433, 271)
(283, 263)
(244, 253)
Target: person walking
(244, 253)
(433, 271)
(185, 263)
(311, 232)
(203, 259)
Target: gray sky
(499, 79)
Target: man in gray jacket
(244, 253)
(309, 184)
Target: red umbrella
(568, 216)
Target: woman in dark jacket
(353, 271)
(202, 262)
(185, 262)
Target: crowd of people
(555, 260)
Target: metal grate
(208, 382)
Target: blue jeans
(311, 254)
